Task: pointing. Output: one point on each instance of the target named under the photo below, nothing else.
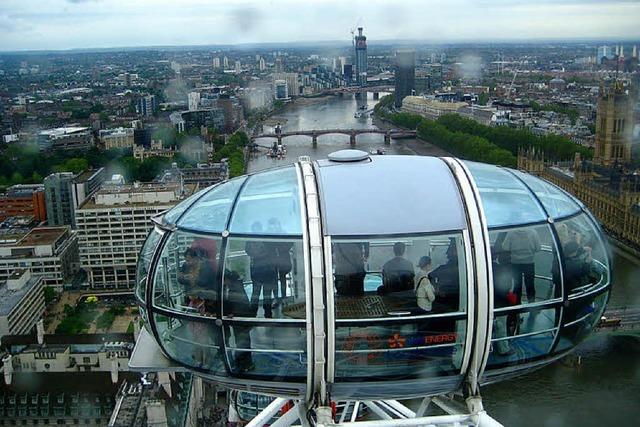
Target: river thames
(598, 385)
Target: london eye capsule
(370, 277)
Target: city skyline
(86, 24)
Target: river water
(599, 385)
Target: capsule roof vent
(348, 156)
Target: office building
(64, 192)
(225, 62)
(203, 175)
(147, 105)
(113, 224)
(614, 125)
(280, 89)
(361, 58)
(116, 138)
(23, 200)
(293, 84)
(21, 303)
(238, 67)
(65, 138)
(262, 65)
(50, 252)
(216, 62)
(405, 72)
(430, 108)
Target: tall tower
(361, 58)
(614, 125)
(405, 74)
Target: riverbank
(417, 146)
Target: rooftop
(58, 132)
(9, 298)
(43, 236)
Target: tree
(483, 98)
(49, 295)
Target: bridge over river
(389, 134)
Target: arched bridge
(353, 133)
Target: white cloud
(60, 24)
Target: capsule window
(186, 277)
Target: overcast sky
(64, 24)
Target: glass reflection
(196, 344)
(555, 201)
(398, 277)
(276, 353)
(506, 200)
(270, 200)
(524, 259)
(586, 264)
(186, 277)
(269, 274)
(144, 262)
(211, 212)
(522, 337)
(580, 317)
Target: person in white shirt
(425, 292)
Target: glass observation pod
(370, 277)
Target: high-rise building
(238, 67)
(361, 58)
(604, 52)
(279, 65)
(280, 89)
(216, 62)
(147, 105)
(404, 74)
(262, 65)
(225, 62)
(293, 85)
(634, 52)
(64, 192)
(113, 224)
(614, 125)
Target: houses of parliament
(609, 185)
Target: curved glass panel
(520, 337)
(264, 278)
(400, 277)
(525, 265)
(377, 278)
(506, 201)
(174, 213)
(144, 262)
(556, 202)
(186, 276)
(579, 319)
(586, 264)
(211, 212)
(272, 353)
(194, 343)
(269, 204)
